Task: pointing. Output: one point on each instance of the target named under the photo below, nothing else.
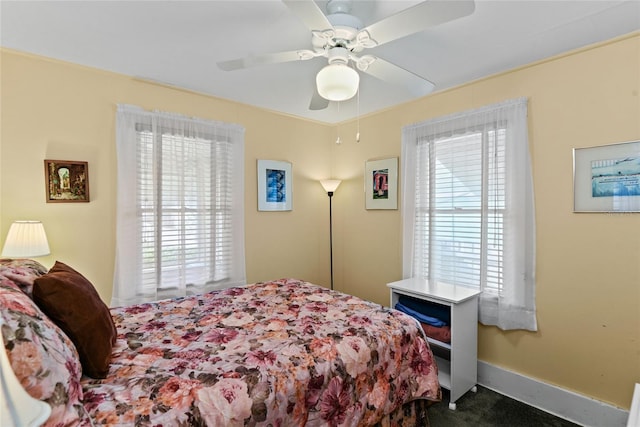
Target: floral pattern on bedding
(43, 358)
(277, 353)
(22, 272)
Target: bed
(277, 353)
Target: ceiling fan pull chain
(358, 116)
(338, 140)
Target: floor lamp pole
(330, 193)
(330, 185)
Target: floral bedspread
(281, 353)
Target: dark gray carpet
(489, 409)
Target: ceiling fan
(340, 37)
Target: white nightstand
(458, 361)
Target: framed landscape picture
(607, 178)
(275, 186)
(66, 181)
(381, 183)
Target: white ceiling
(180, 42)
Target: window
(468, 209)
(179, 206)
(460, 207)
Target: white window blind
(468, 209)
(459, 208)
(179, 206)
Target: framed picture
(381, 183)
(275, 186)
(607, 178)
(66, 181)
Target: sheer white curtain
(468, 208)
(180, 206)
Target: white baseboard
(563, 403)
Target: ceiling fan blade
(394, 74)
(309, 12)
(318, 102)
(272, 58)
(418, 18)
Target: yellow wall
(588, 265)
(55, 110)
(588, 274)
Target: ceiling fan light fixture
(337, 82)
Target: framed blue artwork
(607, 178)
(275, 186)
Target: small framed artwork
(381, 183)
(275, 186)
(607, 178)
(66, 181)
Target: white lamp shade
(26, 239)
(337, 82)
(17, 407)
(330, 185)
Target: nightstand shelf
(458, 361)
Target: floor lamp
(330, 185)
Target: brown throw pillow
(72, 302)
